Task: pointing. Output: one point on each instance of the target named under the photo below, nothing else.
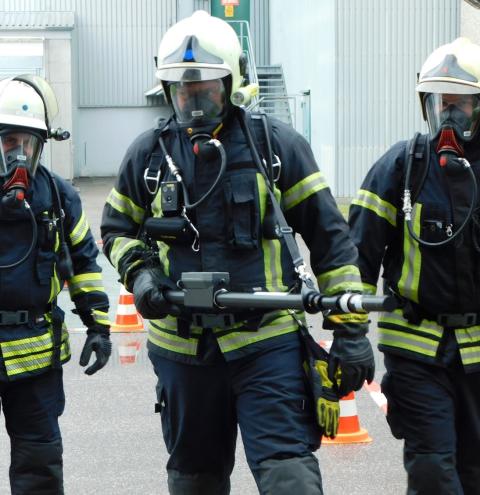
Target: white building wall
(360, 60)
(302, 39)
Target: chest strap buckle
(458, 320)
(13, 317)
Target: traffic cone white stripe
(348, 408)
(129, 309)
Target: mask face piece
(198, 103)
(19, 148)
(459, 112)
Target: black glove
(98, 341)
(353, 355)
(148, 287)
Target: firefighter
(417, 214)
(213, 216)
(45, 242)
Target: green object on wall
(231, 10)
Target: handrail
(304, 98)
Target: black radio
(170, 198)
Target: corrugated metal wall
(37, 5)
(260, 30)
(380, 47)
(117, 40)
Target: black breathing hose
(407, 207)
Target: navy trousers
(264, 393)
(31, 407)
(437, 411)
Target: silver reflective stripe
(403, 340)
(171, 342)
(380, 207)
(425, 326)
(470, 355)
(412, 259)
(34, 362)
(468, 335)
(237, 340)
(26, 346)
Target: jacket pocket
(434, 223)
(242, 212)
(45, 263)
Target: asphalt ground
(112, 437)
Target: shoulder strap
(420, 163)
(152, 174)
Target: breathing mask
(20, 153)
(453, 121)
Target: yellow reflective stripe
(379, 206)
(125, 205)
(345, 278)
(28, 345)
(369, 289)
(303, 189)
(101, 317)
(470, 355)
(271, 248)
(171, 342)
(54, 285)
(35, 362)
(236, 340)
(120, 246)
(80, 230)
(163, 250)
(407, 341)
(348, 318)
(412, 259)
(397, 318)
(86, 282)
(469, 335)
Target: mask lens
(198, 102)
(19, 148)
(461, 112)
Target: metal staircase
(273, 98)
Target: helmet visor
(461, 112)
(19, 148)
(198, 102)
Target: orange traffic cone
(127, 319)
(349, 430)
(128, 351)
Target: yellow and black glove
(327, 406)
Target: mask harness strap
(449, 151)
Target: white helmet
(197, 49)
(452, 70)
(27, 104)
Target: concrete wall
(58, 71)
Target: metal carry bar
(206, 290)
